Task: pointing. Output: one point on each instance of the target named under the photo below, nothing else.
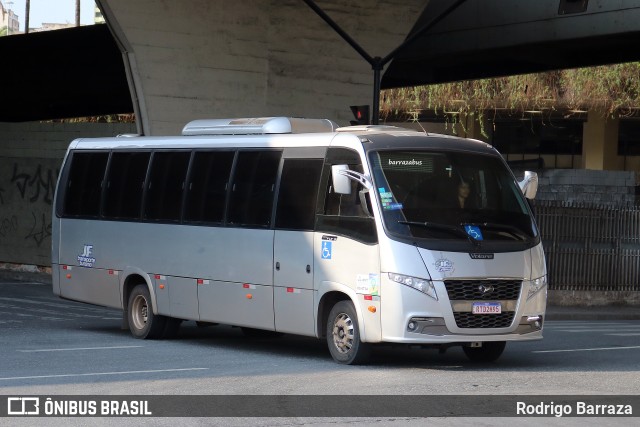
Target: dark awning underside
(75, 72)
(490, 38)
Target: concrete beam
(210, 59)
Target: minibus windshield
(450, 196)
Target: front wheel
(142, 322)
(489, 352)
(343, 335)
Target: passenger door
(293, 243)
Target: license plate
(486, 308)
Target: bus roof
(273, 132)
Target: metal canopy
(490, 38)
(74, 72)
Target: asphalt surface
(54, 347)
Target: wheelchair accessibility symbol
(473, 231)
(326, 250)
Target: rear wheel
(489, 352)
(343, 335)
(142, 322)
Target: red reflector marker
(200, 281)
(111, 272)
(246, 286)
(368, 297)
(289, 289)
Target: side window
(165, 185)
(297, 194)
(207, 186)
(253, 188)
(84, 185)
(344, 214)
(125, 182)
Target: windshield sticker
(444, 265)
(386, 197)
(368, 284)
(473, 231)
(391, 206)
(86, 259)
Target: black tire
(259, 333)
(343, 335)
(143, 324)
(489, 352)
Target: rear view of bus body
(356, 235)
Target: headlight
(536, 286)
(422, 285)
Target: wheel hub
(140, 312)
(343, 333)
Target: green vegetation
(611, 90)
(110, 118)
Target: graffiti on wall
(40, 229)
(27, 188)
(35, 185)
(8, 225)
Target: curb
(610, 312)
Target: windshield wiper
(451, 229)
(514, 231)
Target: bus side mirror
(529, 185)
(341, 182)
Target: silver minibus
(357, 235)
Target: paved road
(51, 346)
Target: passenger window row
(215, 187)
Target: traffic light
(361, 113)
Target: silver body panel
(293, 282)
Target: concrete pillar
(600, 142)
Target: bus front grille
(470, 320)
(483, 290)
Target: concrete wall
(196, 59)
(30, 159)
(614, 188)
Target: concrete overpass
(197, 58)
